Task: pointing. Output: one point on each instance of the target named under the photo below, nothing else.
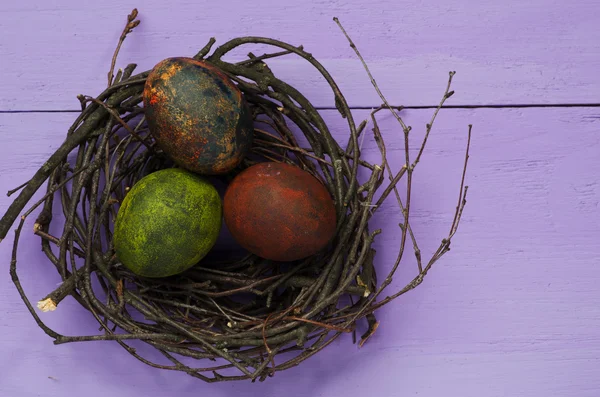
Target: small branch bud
(133, 15)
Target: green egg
(167, 222)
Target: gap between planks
(499, 106)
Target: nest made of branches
(229, 318)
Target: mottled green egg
(169, 220)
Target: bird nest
(231, 317)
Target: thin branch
(387, 105)
(131, 24)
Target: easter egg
(279, 212)
(197, 115)
(167, 222)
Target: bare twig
(131, 24)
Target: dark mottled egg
(197, 115)
(279, 212)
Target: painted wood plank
(512, 52)
(514, 308)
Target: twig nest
(251, 311)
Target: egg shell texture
(197, 115)
(279, 212)
(167, 222)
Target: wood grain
(514, 309)
(511, 52)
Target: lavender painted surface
(513, 309)
(514, 51)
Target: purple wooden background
(513, 309)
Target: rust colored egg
(279, 212)
(197, 115)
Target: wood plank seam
(501, 106)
